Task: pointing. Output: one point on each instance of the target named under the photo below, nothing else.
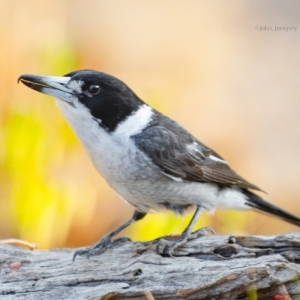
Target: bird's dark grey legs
(104, 243)
(166, 247)
(194, 219)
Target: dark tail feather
(261, 205)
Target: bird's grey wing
(180, 156)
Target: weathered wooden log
(210, 267)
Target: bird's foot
(166, 247)
(100, 247)
(201, 232)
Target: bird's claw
(100, 247)
(167, 247)
(201, 232)
(90, 251)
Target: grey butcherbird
(148, 159)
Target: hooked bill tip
(24, 77)
(19, 79)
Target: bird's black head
(107, 98)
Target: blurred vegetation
(41, 206)
(50, 192)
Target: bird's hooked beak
(50, 85)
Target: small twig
(149, 295)
(17, 242)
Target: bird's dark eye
(93, 89)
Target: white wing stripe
(218, 159)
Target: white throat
(110, 152)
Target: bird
(150, 160)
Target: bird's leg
(166, 247)
(105, 242)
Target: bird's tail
(262, 205)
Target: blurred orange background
(207, 64)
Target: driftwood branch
(211, 267)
